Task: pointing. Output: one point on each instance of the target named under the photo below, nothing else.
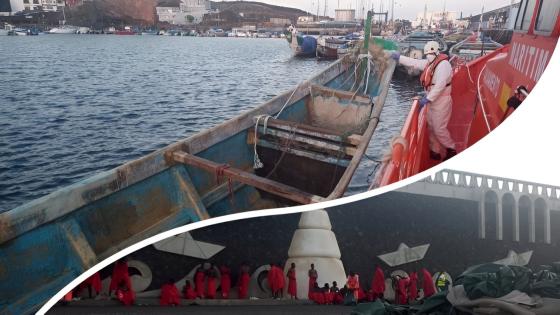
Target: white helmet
(431, 47)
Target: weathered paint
(48, 242)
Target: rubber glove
(396, 55)
(423, 102)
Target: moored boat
(473, 47)
(7, 30)
(301, 45)
(64, 29)
(483, 92)
(328, 47)
(300, 147)
(126, 31)
(413, 44)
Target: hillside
(116, 12)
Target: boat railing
(407, 150)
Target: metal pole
(367, 30)
(393, 12)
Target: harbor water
(72, 106)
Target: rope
(256, 160)
(289, 99)
(480, 100)
(469, 71)
(219, 174)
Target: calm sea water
(72, 106)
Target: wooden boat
(300, 44)
(329, 47)
(473, 47)
(414, 43)
(481, 93)
(309, 141)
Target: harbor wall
(364, 230)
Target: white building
(52, 5)
(36, 5)
(345, 15)
(434, 18)
(188, 12)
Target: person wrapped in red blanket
(292, 282)
(169, 294)
(125, 294)
(188, 291)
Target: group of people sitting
(406, 288)
(208, 278)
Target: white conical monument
(315, 243)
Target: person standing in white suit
(436, 80)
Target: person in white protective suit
(436, 80)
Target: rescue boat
(481, 91)
(300, 147)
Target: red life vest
(430, 69)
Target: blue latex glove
(396, 55)
(423, 102)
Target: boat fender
(400, 147)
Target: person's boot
(450, 153)
(435, 156)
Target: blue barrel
(309, 45)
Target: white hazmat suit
(440, 106)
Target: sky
(407, 9)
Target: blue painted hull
(50, 241)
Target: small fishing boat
(300, 147)
(64, 29)
(413, 44)
(7, 30)
(456, 37)
(485, 91)
(473, 47)
(328, 47)
(301, 45)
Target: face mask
(431, 57)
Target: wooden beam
(247, 178)
(307, 154)
(331, 148)
(317, 132)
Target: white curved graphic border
(541, 109)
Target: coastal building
(345, 15)
(435, 18)
(5, 8)
(36, 5)
(280, 21)
(188, 12)
(501, 18)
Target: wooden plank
(219, 193)
(317, 132)
(312, 144)
(265, 184)
(310, 155)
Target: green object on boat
(384, 43)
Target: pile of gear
(486, 289)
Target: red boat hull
(481, 90)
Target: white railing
(473, 180)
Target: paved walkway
(202, 307)
(205, 310)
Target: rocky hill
(115, 12)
